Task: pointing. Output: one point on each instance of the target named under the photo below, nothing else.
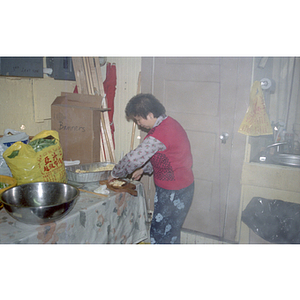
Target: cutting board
(126, 187)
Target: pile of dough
(100, 169)
(117, 183)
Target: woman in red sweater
(166, 153)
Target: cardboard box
(76, 117)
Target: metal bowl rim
(43, 206)
(69, 168)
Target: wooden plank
(99, 75)
(103, 139)
(87, 76)
(105, 126)
(134, 124)
(92, 78)
(75, 61)
(109, 153)
(95, 83)
(82, 81)
(132, 135)
(102, 157)
(89, 66)
(108, 133)
(105, 114)
(79, 75)
(96, 90)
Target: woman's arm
(138, 158)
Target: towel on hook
(256, 121)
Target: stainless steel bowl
(40, 202)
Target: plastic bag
(40, 160)
(275, 221)
(10, 137)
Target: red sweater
(172, 168)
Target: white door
(207, 96)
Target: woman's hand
(110, 178)
(137, 174)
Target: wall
(27, 101)
(282, 101)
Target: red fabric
(110, 88)
(172, 168)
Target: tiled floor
(194, 238)
(187, 237)
(190, 238)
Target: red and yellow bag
(40, 160)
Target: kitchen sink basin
(286, 159)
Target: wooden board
(79, 75)
(127, 187)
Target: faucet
(277, 145)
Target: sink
(286, 159)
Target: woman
(166, 153)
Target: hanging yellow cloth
(256, 121)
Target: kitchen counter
(119, 218)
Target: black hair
(143, 104)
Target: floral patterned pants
(170, 210)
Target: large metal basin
(286, 159)
(91, 175)
(40, 202)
